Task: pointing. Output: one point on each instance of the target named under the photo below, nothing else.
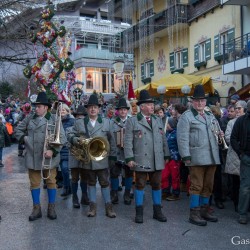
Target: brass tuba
(95, 149)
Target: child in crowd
(172, 168)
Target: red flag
(131, 93)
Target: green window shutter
(151, 68)
(230, 39)
(231, 35)
(184, 58)
(172, 62)
(217, 45)
(142, 71)
(208, 49)
(196, 53)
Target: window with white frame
(178, 60)
(147, 69)
(222, 39)
(202, 52)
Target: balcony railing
(236, 49)
(171, 16)
(85, 53)
(80, 25)
(236, 55)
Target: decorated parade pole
(52, 71)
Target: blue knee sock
(204, 200)
(128, 183)
(106, 195)
(194, 200)
(139, 197)
(51, 195)
(92, 193)
(156, 196)
(114, 184)
(35, 196)
(84, 186)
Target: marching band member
(118, 126)
(198, 147)
(145, 149)
(77, 169)
(32, 131)
(93, 125)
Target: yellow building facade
(190, 47)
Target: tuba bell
(95, 149)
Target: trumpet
(52, 138)
(216, 129)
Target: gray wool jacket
(102, 129)
(145, 144)
(32, 132)
(196, 140)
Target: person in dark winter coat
(67, 121)
(4, 140)
(240, 142)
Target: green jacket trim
(54, 152)
(129, 159)
(118, 119)
(140, 116)
(86, 119)
(186, 158)
(167, 157)
(195, 112)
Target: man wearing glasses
(199, 150)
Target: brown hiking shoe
(36, 213)
(109, 210)
(207, 215)
(195, 217)
(51, 214)
(92, 210)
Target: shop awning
(175, 82)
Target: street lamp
(77, 90)
(185, 90)
(161, 90)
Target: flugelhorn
(216, 129)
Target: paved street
(73, 230)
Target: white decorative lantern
(185, 90)
(161, 90)
(118, 67)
